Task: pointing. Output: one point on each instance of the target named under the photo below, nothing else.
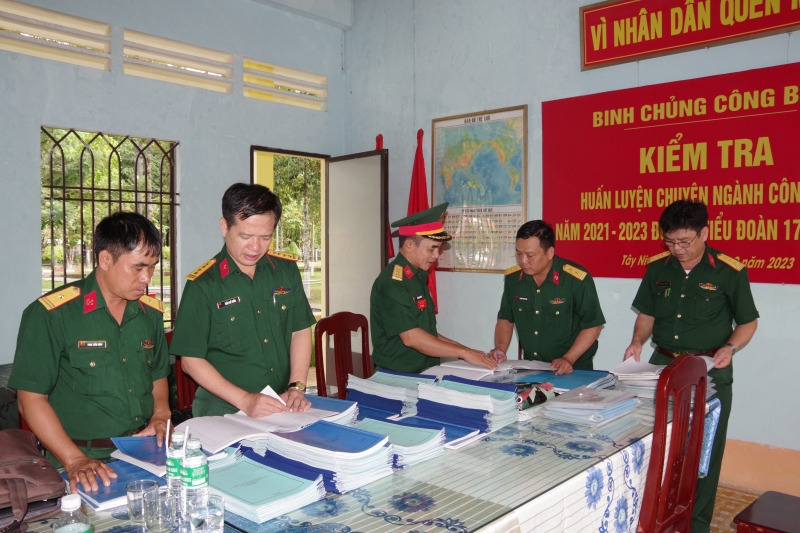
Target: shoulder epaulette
(284, 255)
(158, 305)
(57, 299)
(202, 269)
(511, 270)
(573, 271)
(397, 273)
(731, 262)
(657, 257)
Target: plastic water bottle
(72, 520)
(194, 477)
(174, 460)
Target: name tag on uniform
(663, 283)
(229, 301)
(148, 344)
(558, 301)
(422, 303)
(91, 344)
(522, 298)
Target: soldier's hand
(479, 358)
(295, 400)
(83, 470)
(561, 366)
(258, 405)
(723, 356)
(157, 426)
(498, 355)
(634, 350)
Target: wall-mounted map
(480, 168)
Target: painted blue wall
(215, 130)
(410, 61)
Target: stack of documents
(347, 457)
(259, 492)
(345, 411)
(641, 378)
(386, 393)
(465, 370)
(455, 436)
(593, 379)
(590, 407)
(143, 452)
(411, 445)
(115, 495)
(226, 457)
(473, 404)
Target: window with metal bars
(87, 176)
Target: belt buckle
(676, 354)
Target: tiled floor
(729, 503)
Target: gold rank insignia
(730, 261)
(202, 269)
(397, 273)
(158, 305)
(657, 257)
(511, 270)
(57, 299)
(285, 255)
(573, 271)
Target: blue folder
(143, 448)
(394, 407)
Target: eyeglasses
(680, 244)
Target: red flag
(418, 201)
(389, 243)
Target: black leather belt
(709, 352)
(94, 443)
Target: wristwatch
(732, 347)
(299, 385)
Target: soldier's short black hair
(241, 201)
(123, 232)
(684, 214)
(539, 229)
(416, 239)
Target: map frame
(476, 119)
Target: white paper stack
(411, 445)
(259, 492)
(465, 370)
(347, 457)
(226, 457)
(590, 407)
(394, 393)
(473, 404)
(344, 412)
(641, 378)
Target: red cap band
(421, 229)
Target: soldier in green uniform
(553, 303)
(402, 315)
(688, 300)
(244, 320)
(91, 360)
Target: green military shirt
(695, 311)
(550, 317)
(400, 301)
(242, 326)
(98, 374)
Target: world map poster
(479, 166)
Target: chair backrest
(340, 325)
(187, 387)
(667, 505)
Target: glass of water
(135, 492)
(207, 517)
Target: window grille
(285, 85)
(34, 31)
(176, 62)
(88, 176)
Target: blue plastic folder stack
(590, 407)
(346, 457)
(386, 393)
(472, 404)
(258, 491)
(115, 495)
(411, 445)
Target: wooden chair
(187, 387)
(667, 505)
(340, 325)
(772, 512)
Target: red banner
(628, 30)
(613, 161)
